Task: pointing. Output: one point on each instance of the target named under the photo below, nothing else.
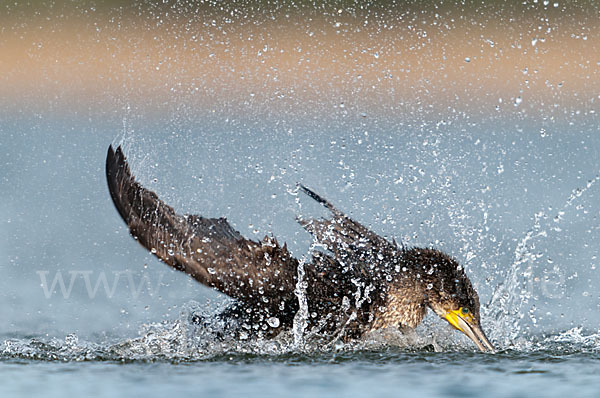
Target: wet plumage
(358, 282)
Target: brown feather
(207, 249)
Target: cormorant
(358, 283)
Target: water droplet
(273, 322)
(211, 271)
(518, 101)
(71, 339)
(345, 302)
(467, 59)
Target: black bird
(359, 282)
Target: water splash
(301, 317)
(575, 340)
(185, 341)
(504, 310)
(181, 340)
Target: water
(552, 368)
(384, 373)
(510, 297)
(182, 357)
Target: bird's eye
(464, 310)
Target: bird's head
(449, 293)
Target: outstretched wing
(356, 248)
(208, 249)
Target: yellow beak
(469, 326)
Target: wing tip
(115, 162)
(312, 194)
(117, 175)
(111, 160)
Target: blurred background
(472, 128)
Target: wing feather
(208, 249)
(356, 248)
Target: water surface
(384, 372)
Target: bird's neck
(406, 306)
